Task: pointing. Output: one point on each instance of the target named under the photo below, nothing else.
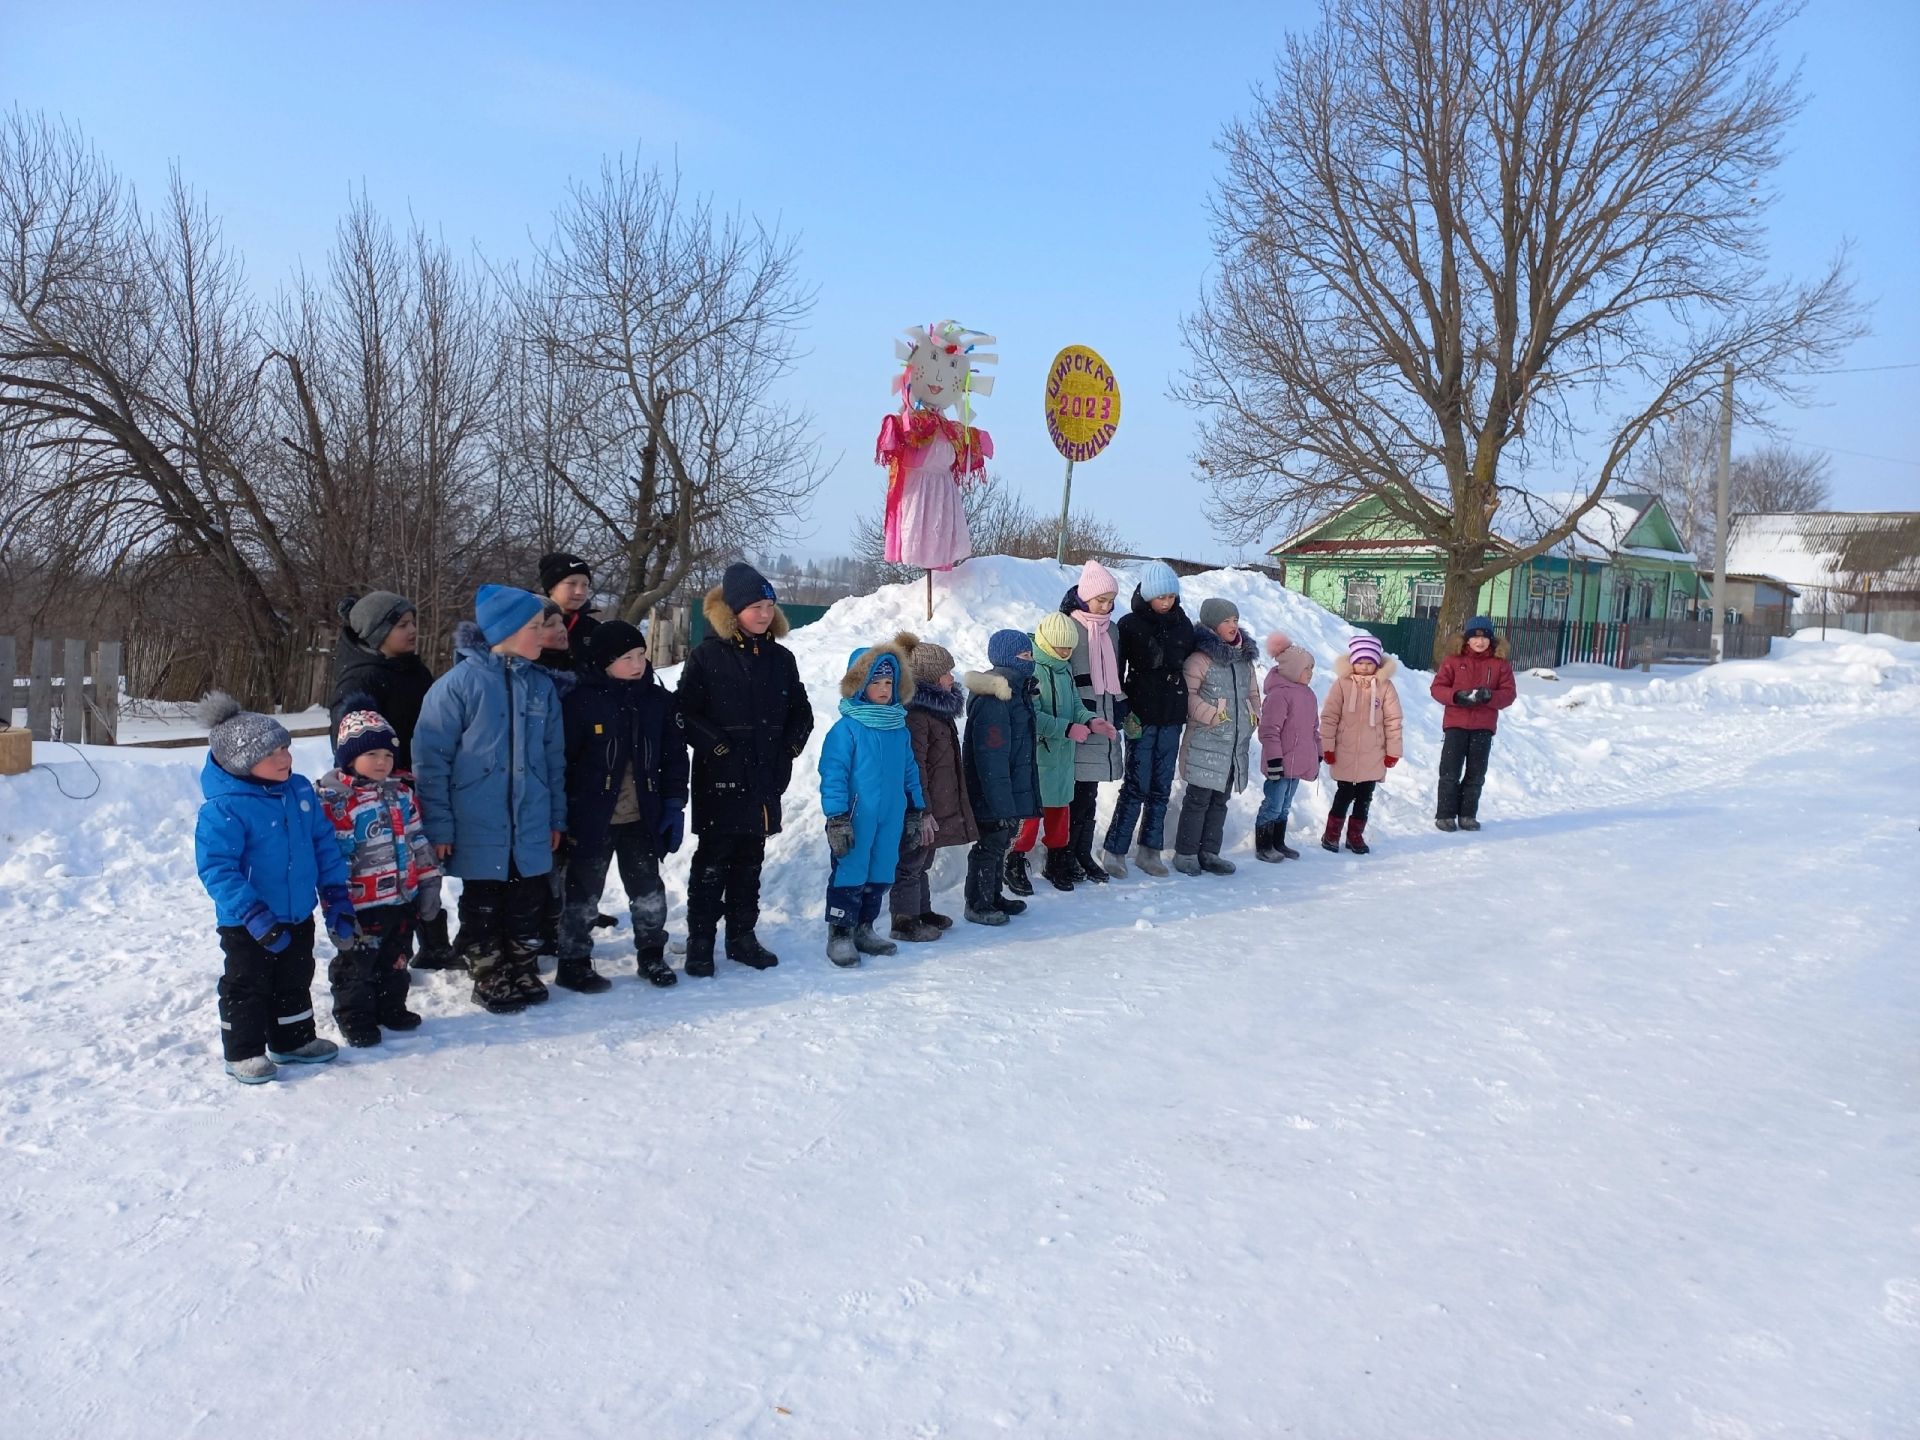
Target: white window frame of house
(1358, 590)
(1438, 590)
(1676, 602)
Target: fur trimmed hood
(1343, 667)
(1457, 645)
(861, 666)
(985, 682)
(1205, 638)
(722, 621)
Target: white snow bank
(136, 833)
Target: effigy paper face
(942, 365)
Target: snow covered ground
(1601, 1122)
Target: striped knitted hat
(361, 730)
(1365, 647)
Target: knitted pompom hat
(1157, 579)
(239, 739)
(1005, 647)
(1058, 633)
(1096, 579)
(362, 729)
(926, 660)
(1294, 663)
(1278, 643)
(1365, 647)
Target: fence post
(6, 680)
(73, 694)
(103, 718)
(40, 691)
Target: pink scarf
(1102, 663)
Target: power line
(1864, 369)
(1859, 454)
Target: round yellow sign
(1083, 403)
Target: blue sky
(1036, 171)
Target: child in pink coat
(1360, 730)
(1289, 743)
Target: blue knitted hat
(501, 609)
(883, 665)
(1005, 646)
(1480, 625)
(1157, 579)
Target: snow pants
(986, 862)
(1145, 789)
(369, 977)
(1203, 821)
(912, 896)
(630, 847)
(1057, 821)
(1355, 793)
(500, 920)
(724, 879)
(266, 1000)
(1468, 749)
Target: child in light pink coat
(1360, 736)
(1289, 743)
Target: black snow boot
(936, 919)
(1446, 823)
(1265, 847)
(495, 985)
(526, 976)
(579, 975)
(1280, 841)
(1468, 822)
(700, 955)
(746, 949)
(1019, 881)
(1060, 869)
(913, 929)
(653, 968)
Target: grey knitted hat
(374, 615)
(239, 739)
(1213, 611)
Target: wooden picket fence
(79, 702)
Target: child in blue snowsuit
(265, 851)
(870, 791)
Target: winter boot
(1280, 841)
(1468, 822)
(399, 1018)
(1264, 845)
(1090, 867)
(359, 1033)
(840, 947)
(1116, 865)
(1059, 869)
(913, 929)
(525, 970)
(1018, 879)
(495, 987)
(746, 949)
(254, 1070)
(991, 916)
(937, 920)
(1149, 862)
(436, 952)
(1446, 823)
(868, 943)
(652, 967)
(603, 921)
(1330, 837)
(1357, 836)
(699, 955)
(579, 975)
(1186, 864)
(314, 1052)
(1007, 905)
(1214, 865)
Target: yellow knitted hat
(1058, 634)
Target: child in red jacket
(1475, 683)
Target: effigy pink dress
(929, 459)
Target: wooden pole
(929, 594)
(6, 681)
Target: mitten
(839, 834)
(427, 902)
(1392, 760)
(920, 828)
(1102, 728)
(1480, 696)
(337, 910)
(1276, 769)
(1134, 727)
(1463, 697)
(1077, 732)
(1327, 755)
(673, 830)
(260, 924)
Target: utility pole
(1720, 516)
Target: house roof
(1706, 578)
(1829, 549)
(1521, 517)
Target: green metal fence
(1620, 643)
(798, 617)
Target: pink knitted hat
(1096, 579)
(1278, 642)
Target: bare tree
(1779, 478)
(1680, 464)
(650, 334)
(1457, 234)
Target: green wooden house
(1624, 562)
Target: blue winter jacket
(489, 763)
(872, 775)
(259, 842)
(1003, 773)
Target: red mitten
(1077, 733)
(1392, 760)
(1327, 755)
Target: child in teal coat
(870, 792)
